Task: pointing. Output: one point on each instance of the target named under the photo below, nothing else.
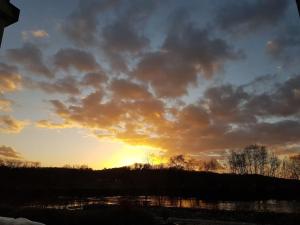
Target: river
(277, 206)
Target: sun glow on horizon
(130, 154)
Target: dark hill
(52, 182)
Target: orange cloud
(5, 104)
(10, 79)
(40, 34)
(53, 125)
(9, 124)
(9, 152)
(225, 117)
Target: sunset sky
(112, 82)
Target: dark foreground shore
(131, 215)
(35, 183)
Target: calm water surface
(163, 201)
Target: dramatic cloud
(31, 57)
(225, 117)
(91, 113)
(172, 76)
(114, 118)
(184, 54)
(9, 152)
(9, 124)
(68, 58)
(247, 16)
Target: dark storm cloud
(31, 57)
(81, 60)
(185, 53)
(248, 16)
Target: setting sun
(128, 155)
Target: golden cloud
(9, 152)
(10, 79)
(9, 124)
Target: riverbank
(132, 215)
(38, 183)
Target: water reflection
(165, 201)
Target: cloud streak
(9, 152)
(8, 124)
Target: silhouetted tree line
(256, 159)
(181, 162)
(253, 159)
(11, 163)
